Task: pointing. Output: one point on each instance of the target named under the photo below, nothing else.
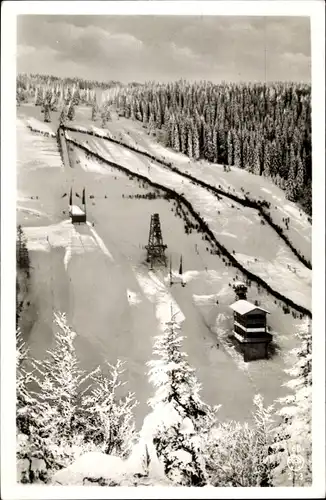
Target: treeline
(57, 93)
(265, 129)
(182, 434)
(25, 81)
(63, 95)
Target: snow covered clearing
(261, 243)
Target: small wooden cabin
(77, 215)
(250, 329)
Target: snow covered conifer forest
(263, 128)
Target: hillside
(231, 223)
(97, 274)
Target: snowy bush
(293, 435)
(109, 417)
(71, 412)
(237, 454)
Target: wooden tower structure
(155, 248)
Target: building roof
(243, 307)
(75, 210)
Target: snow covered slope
(237, 181)
(97, 275)
(256, 246)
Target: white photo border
(10, 9)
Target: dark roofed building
(77, 215)
(250, 329)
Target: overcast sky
(165, 48)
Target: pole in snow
(181, 272)
(171, 282)
(84, 201)
(180, 267)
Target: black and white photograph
(166, 320)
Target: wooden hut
(250, 329)
(77, 215)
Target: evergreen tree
(237, 151)
(209, 147)
(291, 185)
(31, 445)
(151, 124)
(71, 112)
(94, 112)
(257, 152)
(195, 139)
(267, 160)
(300, 177)
(38, 98)
(215, 145)
(22, 256)
(183, 137)
(23, 378)
(63, 115)
(190, 144)
(145, 112)
(61, 383)
(251, 155)
(182, 419)
(293, 436)
(159, 118)
(176, 138)
(230, 149)
(46, 110)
